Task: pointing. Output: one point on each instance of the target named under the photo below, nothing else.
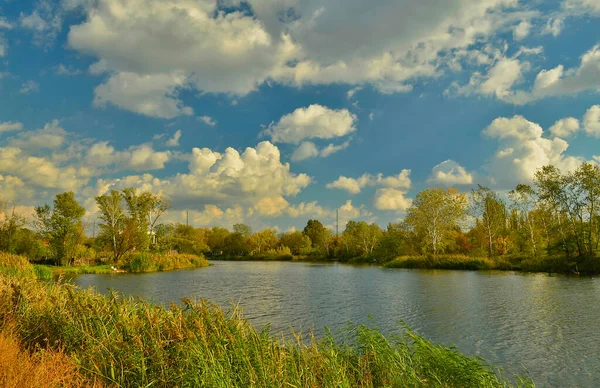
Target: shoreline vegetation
(56, 335)
(552, 226)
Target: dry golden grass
(43, 368)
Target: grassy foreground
(81, 338)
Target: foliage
(125, 342)
(443, 262)
(62, 226)
(433, 214)
(150, 262)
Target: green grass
(443, 262)
(126, 342)
(152, 262)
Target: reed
(443, 262)
(125, 342)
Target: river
(549, 325)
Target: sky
(273, 112)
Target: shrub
(148, 262)
(14, 265)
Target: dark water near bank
(547, 324)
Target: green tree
(297, 241)
(360, 238)
(63, 226)
(435, 212)
(114, 225)
(524, 203)
(11, 223)
(315, 230)
(263, 241)
(490, 210)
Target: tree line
(556, 217)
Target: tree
(216, 240)
(130, 229)
(63, 226)
(187, 239)
(490, 210)
(361, 238)
(433, 213)
(115, 222)
(297, 241)
(243, 230)
(524, 203)
(315, 230)
(11, 223)
(263, 241)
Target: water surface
(549, 325)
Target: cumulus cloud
(391, 199)
(558, 81)
(354, 186)
(522, 150)
(565, 127)
(179, 43)
(153, 95)
(138, 158)
(450, 173)
(313, 122)
(591, 121)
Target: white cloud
(498, 81)
(350, 94)
(45, 22)
(522, 150)
(5, 24)
(390, 46)
(565, 127)
(29, 87)
(449, 173)
(553, 26)
(354, 186)
(153, 95)
(66, 70)
(10, 126)
(305, 150)
(582, 6)
(174, 141)
(391, 199)
(558, 81)
(208, 120)
(308, 149)
(313, 122)
(591, 121)
(3, 47)
(138, 158)
(521, 31)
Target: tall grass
(126, 342)
(150, 262)
(443, 262)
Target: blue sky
(271, 112)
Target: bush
(15, 265)
(149, 262)
(442, 262)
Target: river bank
(113, 340)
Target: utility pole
(187, 218)
(94, 229)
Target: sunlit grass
(443, 262)
(126, 342)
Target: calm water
(547, 324)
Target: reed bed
(124, 342)
(444, 262)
